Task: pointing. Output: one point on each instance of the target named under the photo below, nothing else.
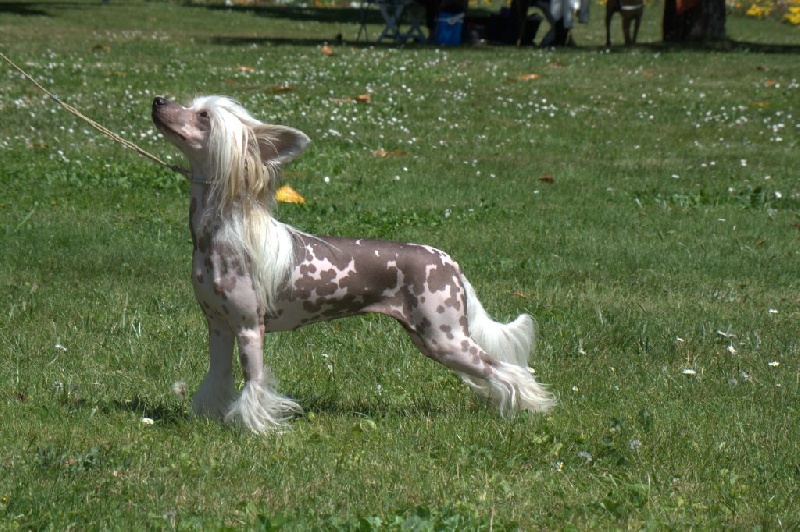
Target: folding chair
(392, 12)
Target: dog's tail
(513, 387)
(507, 342)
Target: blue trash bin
(448, 28)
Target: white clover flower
(147, 421)
(689, 371)
(179, 389)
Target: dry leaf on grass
(279, 89)
(383, 153)
(287, 194)
(362, 98)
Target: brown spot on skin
(204, 242)
(440, 309)
(465, 345)
(423, 326)
(245, 367)
(244, 341)
(440, 277)
(447, 330)
(220, 290)
(455, 300)
(199, 277)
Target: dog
(630, 11)
(253, 275)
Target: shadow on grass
(22, 9)
(165, 414)
(42, 9)
(729, 46)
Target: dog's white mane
(244, 160)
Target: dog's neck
(198, 174)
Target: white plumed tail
(507, 342)
(512, 387)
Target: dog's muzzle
(158, 101)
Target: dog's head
(236, 154)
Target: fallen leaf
(101, 48)
(529, 77)
(326, 50)
(547, 178)
(279, 89)
(244, 68)
(519, 294)
(287, 194)
(383, 153)
(761, 104)
(363, 98)
(770, 83)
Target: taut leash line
(99, 127)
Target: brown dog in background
(631, 11)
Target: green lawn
(643, 204)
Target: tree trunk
(694, 20)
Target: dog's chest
(221, 277)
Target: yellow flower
(754, 11)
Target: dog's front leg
(259, 408)
(217, 392)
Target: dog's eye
(203, 114)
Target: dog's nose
(159, 101)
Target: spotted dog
(253, 275)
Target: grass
(642, 204)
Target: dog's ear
(280, 144)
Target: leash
(99, 127)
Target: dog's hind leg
(508, 386)
(259, 407)
(217, 391)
